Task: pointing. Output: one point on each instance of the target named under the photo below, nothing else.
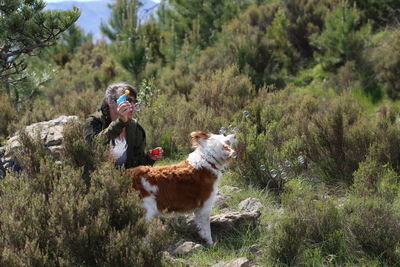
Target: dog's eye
(228, 142)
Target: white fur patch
(151, 189)
(150, 205)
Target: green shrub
(311, 224)
(375, 226)
(381, 12)
(55, 220)
(373, 178)
(31, 152)
(342, 39)
(386, 62)
(305, 18)
(78, 154)
(337, 138)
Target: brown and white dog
(188, 186)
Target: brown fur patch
(197, 136)
(180, 186)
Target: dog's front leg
(150, 205)
(202, 218)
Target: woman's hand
(157, 153)
(125, 111)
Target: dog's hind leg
(150, 205)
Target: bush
(375, 226)
(375, 179)
(386, 63)
(78, 154)
(55, 220)
(337, 139)
(311, 224)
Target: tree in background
(70, 40)
(198, 22)
(343, 37)
(24, 29)
(124, 31)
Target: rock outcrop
(50, 132)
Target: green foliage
(337, 138)
(342, 39)
(133, 44)
(197, 22)
(78, 154)
(31, 152)
(386, 63)
(382, 12)
(55, 220)
(305, 18)
(25, 28)
(374, 225)
(311, 225)
(69, 42)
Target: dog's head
(218, 145)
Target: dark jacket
(99, 125)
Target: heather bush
(373, 178)
(78, 154)
(270, 147)
(375, 226)
(337, 138)
(31, 152)
(55, 220)
(310, 225)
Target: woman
(115, 123)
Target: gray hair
(113, 90)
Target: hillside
(310, 88)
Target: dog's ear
(197, 137)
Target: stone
(239, 262)
(185, 248)
(251, 204)
(227, 221)
(50, 132)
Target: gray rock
(250, 204)
(227, 221)
(50, 132)
(240, 262)
(185, 248)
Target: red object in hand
(155, 151)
